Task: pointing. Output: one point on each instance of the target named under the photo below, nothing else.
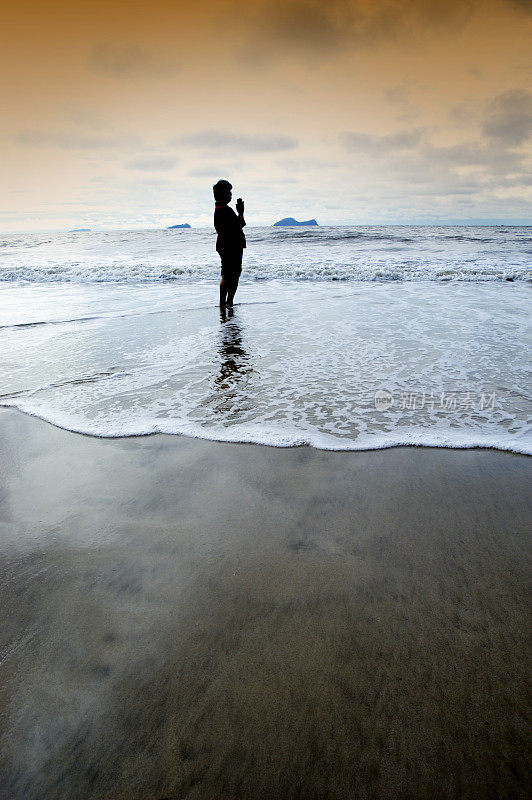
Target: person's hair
(221, 188)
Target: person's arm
(240, 212)
(226, 221)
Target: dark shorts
(232, 265)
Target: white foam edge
(271, 437)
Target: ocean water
(342, 338)
(367, 253)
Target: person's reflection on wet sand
(235, 362)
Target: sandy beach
(183, 618)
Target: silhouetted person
(231, 240)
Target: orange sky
(122, 115)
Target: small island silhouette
(292, 221)
(172, 227)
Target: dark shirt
(231, 239)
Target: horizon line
(426, 224)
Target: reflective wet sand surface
(188, 619)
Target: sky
(116, 115)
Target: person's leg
(233, 286)
(223, 291)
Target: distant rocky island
(292, 221)
(79, 230)
(172, 227)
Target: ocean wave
(463, 238)
(346, 253)
(319, 272)
(271, 437)
(313, 235)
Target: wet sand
(188, 619)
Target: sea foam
(336, 366)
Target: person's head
(222, 191)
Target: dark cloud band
(225, 141)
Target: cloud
(377, 145)
(508, 118)
(469, 168)
(312, 23)
(525, 6)
(398, 94)
(128, 61)
(152, 163)
(410, 165)
(209, 172)
(504, 125)
(493, 159)
(71, 140)
(463, 113)
(162, 182)
(320, 26)
(84, 117)
(398, 99)
(442, 13)
(227, 142)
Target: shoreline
(197, 433)
(187, 618)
